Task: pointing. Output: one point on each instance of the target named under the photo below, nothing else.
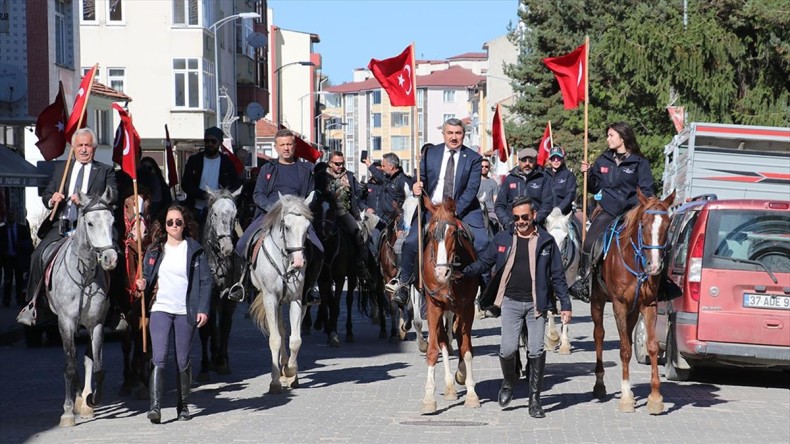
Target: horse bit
(285, 252)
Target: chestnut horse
(629, 278)
(448, 249)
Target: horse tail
(258, 314)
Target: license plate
(766, 301)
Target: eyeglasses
(524, 217)
(529, 159)
(555, 159)
(340, 164)
(211, 141)
(177, 222)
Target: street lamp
(301, 107)
(280, 83)
(214, 28)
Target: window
(209, 88)
(88, 11)
(115, 11)
(102, 126)
(187, 78)
(185, 12)
(243, 31)
(420, 97)
(64, 40)
(376, 142)
(400, 120)
(420, 121)
(350, 125)
(449, 95)
(117, 78)
(375, 97)
(447, 117)
(208, 12)
(96, 77)
(376, 120)
(400, 143)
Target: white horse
(279, 275)
(78, 296)
(567, 239)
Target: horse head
(96, 223)
(651, 233)
(291, 217)
(220, 221)
(558, 226)
(442, 239)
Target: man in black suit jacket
(15, 248)
(96, 178)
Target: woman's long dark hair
(628, 136)
(159, 234)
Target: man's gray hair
(84, 131)
(392, 159)
(453, 122)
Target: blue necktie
(449, 176)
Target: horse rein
(286, 251)
(451, 265)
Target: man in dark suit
(452, 170)
(15, 249)
(86, 175)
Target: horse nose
(109, 259)
(297, 260)
(225, 247)
(442, 273)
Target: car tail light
(778, 205)
(695, 267)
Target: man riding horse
(449, 169)
(285, 176)
(391, 194)
(86, 175)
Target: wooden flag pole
(418, 160)
(71, 151)
(586, 102)
(140, 255)
(551, 138)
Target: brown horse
(448, 249)
(629, 278)
(401, 320)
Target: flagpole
(140, 256)
(418, 160)
(71, 151)
(551, 137)
(586, 102)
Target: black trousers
(597, 226)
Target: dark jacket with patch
(618, 183)
(391, 192)
(536, 185)
(265, 194)
(563, 185)
(193, 171)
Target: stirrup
(28, 315)
(393, 285)
(236, 293)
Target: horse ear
(449, 205)
(641, 196)
(83, 198)
(236, 193)
(428, 204)
(670, 199)
(210, 191)
(307, 200)
(108, 196)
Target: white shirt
(173, 281)
(209, 178)
(75, 170)
(438, 193)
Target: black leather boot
(581, 288)
(184, 388)
(156, 386)
(536, 367)
(401, 296)
(509, 378)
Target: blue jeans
(514, 313)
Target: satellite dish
(257, 40)
(13, 83)
(254, 111)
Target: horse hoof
(599, 391)
(295, 383)
(334, 341)
(655, 407)
(422, 345)
(460, 378)
(472, 401)
(428, 407)
(86, 412)
(275, 389)
(222, 369)
(451, 395)
(626, 405)
(67, 421)
(202, 376)
(407, 326)
(349, 337)
(78, 403)
(565, 350)
(91, 400)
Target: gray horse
(78, 296)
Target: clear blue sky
(354, 31)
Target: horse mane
(633, 216)
(287, 203)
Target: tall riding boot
(536, 367)
(401, 296)
(509, 378)
(156, 386)
(184, 388)
(581, 288)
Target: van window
(733, 236)
(681, 243)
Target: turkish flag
(304, 150)
(80, 103)
(172, 173)
(126, 147)
(498, 134)
(237, 165)
(678, 116)
(545, 145)
(50, 128)
(569, 71)
(397, 77)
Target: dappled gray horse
(218, 241)
(77, 294)
(568, 239)
(278, 274)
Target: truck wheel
(671, 372)
(640, 342)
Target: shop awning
(15, 171)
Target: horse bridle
(286, 252)
(98, 207)
(451, 265)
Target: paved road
(370, 391)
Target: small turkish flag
(545, 145)
(498, 135)
(396, 76)
(50, 128)
(126, 149)
(80, 103)
(569, 71)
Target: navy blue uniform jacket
(563, 184)
(618, 183)
(537, 186)
(391, 193)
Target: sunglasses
(524, 217)
(177, 222)
(485, 166)
(340, 164)
(555, 159)
(528, 159)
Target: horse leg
(416, 300)
(275, 342)
(70, 370)
(227, 308)
(295, 344)
(596, 313)
(97, 344)
(431, 357)
(352, 285)
(334, 314)
(307, 321)
(625, 325)
(552, 337)
(465, 353)
(449, 319)
(565, 343)
(80, 403)
(128, 362)
(655, 402)
(450, 393)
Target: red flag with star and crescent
(126, 149)
(545, 145)
(50, 128)
(569, 71)
(498, 136)
(396, 76)
(80, 103)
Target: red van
(731, 258)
